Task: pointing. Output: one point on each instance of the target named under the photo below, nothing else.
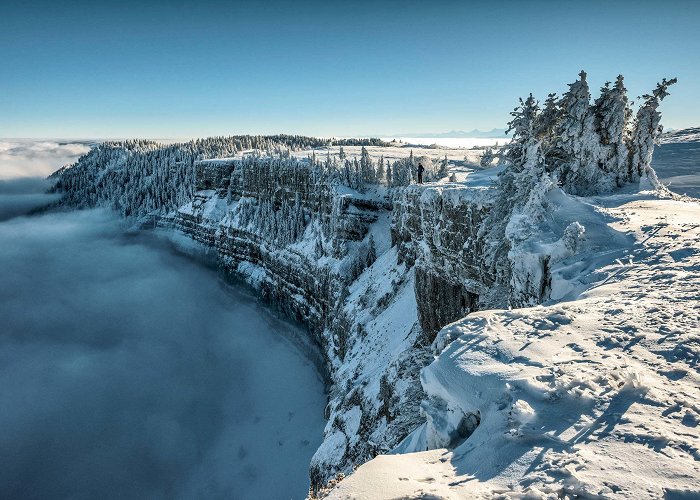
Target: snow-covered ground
(679, 136)
(678, 166)
(596, 397)
(450, 142)
(591, 394)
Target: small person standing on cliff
(421, 169)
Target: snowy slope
(678, 167)
(684, 135)
(595, 397)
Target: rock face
(323, 280)
(441, 300)
(373, 312)
(436, 228)
(376, 271)
(373, 273)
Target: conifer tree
(371, 251)
(347, 173)
(524, 171)
(380, 170)
(547, 122)
(368, 174)
(486, 158)
(612, 115)
(647, 129)
(577, 142)
(522, 126)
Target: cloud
(129, 371)
(30, 158)
(21, 196)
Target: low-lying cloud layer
(32, 158)
(128, 371)
(21, 196)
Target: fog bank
(37, 158)
(128, 371)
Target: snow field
(595, 397)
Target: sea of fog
(128, 370)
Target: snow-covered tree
(486, 158)
(522, 126)
(612, 113)
(521, 187)
(380, 170)
(647, 129)
(401, 172)
(442, 170)
(368, 174)
(577, 143)
(371, 251)
(546, 123)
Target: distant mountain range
(472, 134)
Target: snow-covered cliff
(592, 397)
(339, 236)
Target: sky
(181, 69)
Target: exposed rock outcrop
(436, 228)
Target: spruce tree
(486, 158)
(547, 122)
(371, 251)
(577, 143)
(380, 170)
(612, 114)
(647, 129)
(368, 174)
(524, 170)
(522, 126)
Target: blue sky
(187, 69)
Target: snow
(681, 136)
(540, 401)
(596, 396)
(450, 142)
(678, 166)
